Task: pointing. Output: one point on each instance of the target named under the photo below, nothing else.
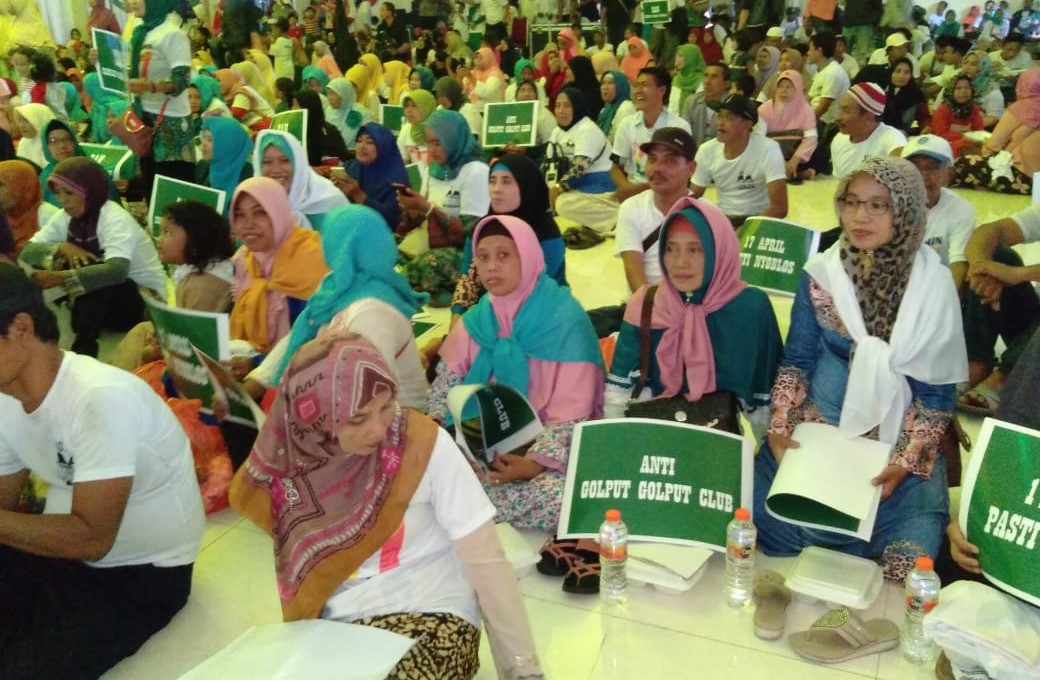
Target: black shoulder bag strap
(644, 340)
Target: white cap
(932, 146)
(897, 39)
(775, 32)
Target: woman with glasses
(876, 348)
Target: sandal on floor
(980, 399)
(943, 669)
(557, 555)
(583, 577)
(839, 635)
(771, 597)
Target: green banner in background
(167, 190)
(391, 117)
(774, 252)
(673, 483)
(1000, 507)
(510, 123)
(111, 158)
(655, 11)
(294, 122)
(112, 54)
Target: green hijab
(427, 104)
(45, 174)
(101, 103)
(460, 146)
(155, 12)
(518, 70)
(689, 78)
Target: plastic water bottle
(740, 558)
(613, 551)
(922, 594)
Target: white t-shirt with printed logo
(1028, 221)
(585, 139)
(165, 48)
(417, 569)
(950, 224)
(637, 218)
(468, 191)
(846, 154)
(99, 422)
(740, 183)
(832, 82)
(633, 133)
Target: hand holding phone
(402, 188)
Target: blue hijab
(549, 324)
(100, 105)
(387, 168)
(609, 110)
(73, 103)
(232, 149)
(361, 253)
(460, 146)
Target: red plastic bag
(152, 373)
(212, 462)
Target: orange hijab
(20, 179)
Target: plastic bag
(212, 462)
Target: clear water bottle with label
(740, 558)
(613, 551)
(922, 594)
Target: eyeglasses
(874, 206)
(59, 140)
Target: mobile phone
(402, 188)
(339, 172)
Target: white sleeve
(1028, 221)
(458, 500)
(474, 196)
(107, 431)
(265, 372)
(627, 238)
(702, 173)
(774, 162)
(960, 234)
(176, 47)
(118, 233)
(621, 142)
(10, 463)
(993, 103)
(56, 230)
(590, 142)
(894, 139)
(831, 87)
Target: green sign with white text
(510, 123)
(1000, 507)
(655, 11)
(774, 252)
(112, 55)
(111, 158)
(167, 190)
(673, 483)
(294, 122)
(391, 116)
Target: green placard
(294, 122)
(167, 190)
(111, 158)
(414, 176)
(655, 11)
(673, 483)
(510, 123)
(178, 331)
(1000, 506)
(774, 252)
(491, 419)
(420, 327)
(112, 54)
(391, 116)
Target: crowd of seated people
(332, 237)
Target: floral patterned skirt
(446, 649)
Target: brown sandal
(557, 556)
(583, 576)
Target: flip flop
(839, 635)
(771, 597)
(980, 399)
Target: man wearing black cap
(110, 561)
(669, 167)
(747, 169)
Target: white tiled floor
(655, 636)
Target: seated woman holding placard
(532, 334)
(875, 347)
(708, 330)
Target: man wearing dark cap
(747, 169)
(109, 562)
(669, 167)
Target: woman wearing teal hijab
(101, 100)
(421, 78)
(454, 136)
(362, 293)
(59, 143)
(229, 161)
(615, 108)
(73, 103)
(209, 92)
(315, 79)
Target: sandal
(557, 556)
(772, 598)
(980, 399)
(839, 635)
(583, 576)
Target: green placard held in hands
(673, 483)
(774, 252)
(510, 123)
(655, 11)
(1000, 507)
(391, 117)
(113, 54)
(167, 190)
(294, 122)
(111, 158)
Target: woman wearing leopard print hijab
(875, 348)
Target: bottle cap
(924, 563)
(742, 514)
(612, 516)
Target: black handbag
(718, 410)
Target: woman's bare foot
(978, 371)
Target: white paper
(681, 560)
(306, 649)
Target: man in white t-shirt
(747, 169)
(861, 134)
(831, 80)
(669, 166)
(109, 562)
(843, 58)
(897, 46)
(951, 219)
(1010, 60)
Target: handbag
(134, 132)
(717, 410)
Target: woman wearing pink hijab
(709, 331)
(637, 58)
(568, 44)
(488, 83)
(790, 121)
(532, 334)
